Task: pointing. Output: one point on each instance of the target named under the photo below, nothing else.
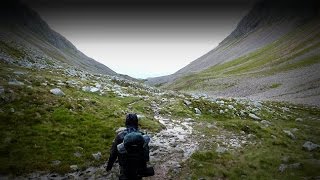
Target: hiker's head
(132, 120)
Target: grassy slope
(45, 127)
(271, 59)
(262, 156)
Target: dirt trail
(171, 146)
(168, 148)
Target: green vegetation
(287, 53)
(266, 147)
(275, 85)
(38, 127)
(10, 50)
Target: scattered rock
(15, 83)
(77, 154)
(299, 120)
(12, 110)
(285, 109)
(266, 123)
(221, 149)
(1, 90)
(74, 167)
(253, 116)
(282, 167)
(90, 89)
(289, 133)
(187, 103)
(197, 111)
(231, 107)
(19, 73)
(56, 162)
(310, 146)
(61, 84)
(57, 91)
(97, 155)
(221, 111)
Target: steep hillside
(273, 44)
(27, 40)
(58, 120)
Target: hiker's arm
(113, 153)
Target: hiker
(132, 150)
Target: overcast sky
(139, 38)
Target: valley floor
(49, 135)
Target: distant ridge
(26, 38)
(273, 35)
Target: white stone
(221, 150)
(1, 90)
(266, 123)
(221, 111)
(253, 116)
(97, 155)
(289, 133)
(74, 167)
(197, 111)
(310, 146)
(57, 91)
(15, 83)
(230, 107)
(186, 102)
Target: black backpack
(134, 154)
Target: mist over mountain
(272, 35)
(28, 40)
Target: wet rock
(97, 156)
(253, 116)
(57, 91)
(197, 111)
(310, 146)
(289, 134)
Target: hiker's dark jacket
(114, 151)
(128, 171)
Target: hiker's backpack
(134, 151)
